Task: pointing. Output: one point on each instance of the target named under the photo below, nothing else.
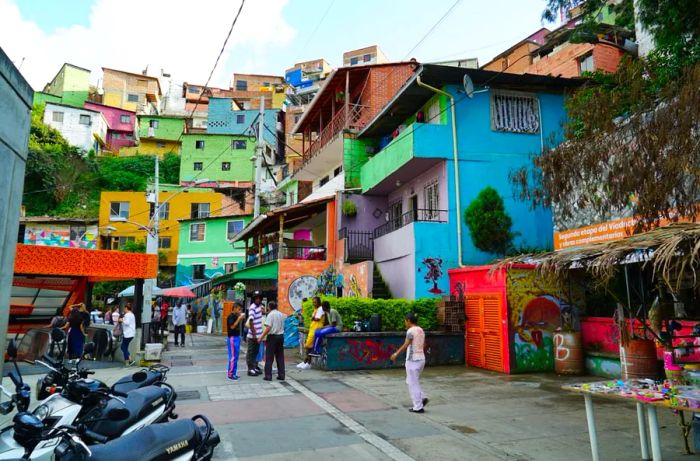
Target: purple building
(122, 126)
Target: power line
(318, 24)
(432, 29)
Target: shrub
(392, 311)
(489, 223)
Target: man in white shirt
(179, 321)
(274, 334)
(415, 362)
(254, 331)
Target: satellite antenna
(468, 86)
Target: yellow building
(130, 91)
(125, 215)
(152, 147)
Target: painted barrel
(568, 353)
(638, 360)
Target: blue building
(424, 185)
(224, 118)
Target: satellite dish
(468, 85)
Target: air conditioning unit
(151, 132)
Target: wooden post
(281, 238)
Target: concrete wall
(15, 119)
(223, 119)
(76, 133)
(217, 149)
(366, 206)
(394, 254)
(169, 128)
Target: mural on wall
(458, 291)
(354, 290)
(357, 278)
(60, 236)
(329, 282)
(301, 288)
(536, 310)
(433, 273)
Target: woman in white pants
(415, 362)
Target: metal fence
(359, 245)
(418, 215)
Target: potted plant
(349, 209)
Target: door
(484, 341)
(413, 207)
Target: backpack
(118, 329)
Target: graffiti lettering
(561, 352)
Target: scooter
(59, 375)
(83, 402)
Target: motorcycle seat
(127, 383)
(140, 402)
(152, 442)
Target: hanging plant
(349, 208)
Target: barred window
(515, 112)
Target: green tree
(134, 246)
(488, 222)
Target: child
(233, 325)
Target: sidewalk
(362, 415)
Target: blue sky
(271, 36)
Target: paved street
(362, 415)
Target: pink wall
(113, 117)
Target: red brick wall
(565, 61)
(607, 57)
(383, 84)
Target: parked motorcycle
(83, 403)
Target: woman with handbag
(128, 324)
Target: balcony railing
(359, 245)
(419, 215)
(357, 117)
(309, 253)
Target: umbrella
(179, 292)
(129, 292)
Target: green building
(70, 86)
(205, 251)
(160, 134)
(223, 160)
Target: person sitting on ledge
(335, 326)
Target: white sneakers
(303, 366)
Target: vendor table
(646, 418)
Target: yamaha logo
(178, 446)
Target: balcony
(303, 253)
(419, 147)
(420, 215)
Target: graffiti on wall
(300, 289)
(354, 290)
(328, 282)
(60, 236)
(433, 273)
(536, 308)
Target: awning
(129, 292)
(267, 271)
(269, 222)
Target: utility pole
(152, 238)
(259, 157)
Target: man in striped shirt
(254, 330)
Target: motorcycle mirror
(58, 335)
(139, 376)
(89, 348)
(12, 349)
(118, 414)
(6, 408)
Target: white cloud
(183, 38)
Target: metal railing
(359, 245)
(355, 120)
(312, 253)
(418, 215)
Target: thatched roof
(672, 250)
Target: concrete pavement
(362, 415)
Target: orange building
(519, 56)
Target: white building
(83, 128)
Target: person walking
(128, 322)
(415, 362)
(273, 334)
(335, 325)
(76, 333)
(233, 327)
(179, 322)
(254, 331)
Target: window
(160, 144)
(197, 166)
(57, 117)
(199, 210)
(197, 232)
(125, 119)
(119, 242)
(77, 232)
(395, 213)
(514, 112)
(323, 181)
(85, 120)
(119, 210)
(164, 242)
(199, 144)
(239, 144)
(240, 119)
(164, 212)
(132, 98)
(266, 84)
(225, 166)
(116, 136)
(241, 85)
(129, 136)
(354, 61)
(233, 227)
(198, 271)
(367, 57)
(153, 124)
(297, 117)
(229, 267)
(338, 170)
(193, 89)
(431, 200)
(585, 64)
